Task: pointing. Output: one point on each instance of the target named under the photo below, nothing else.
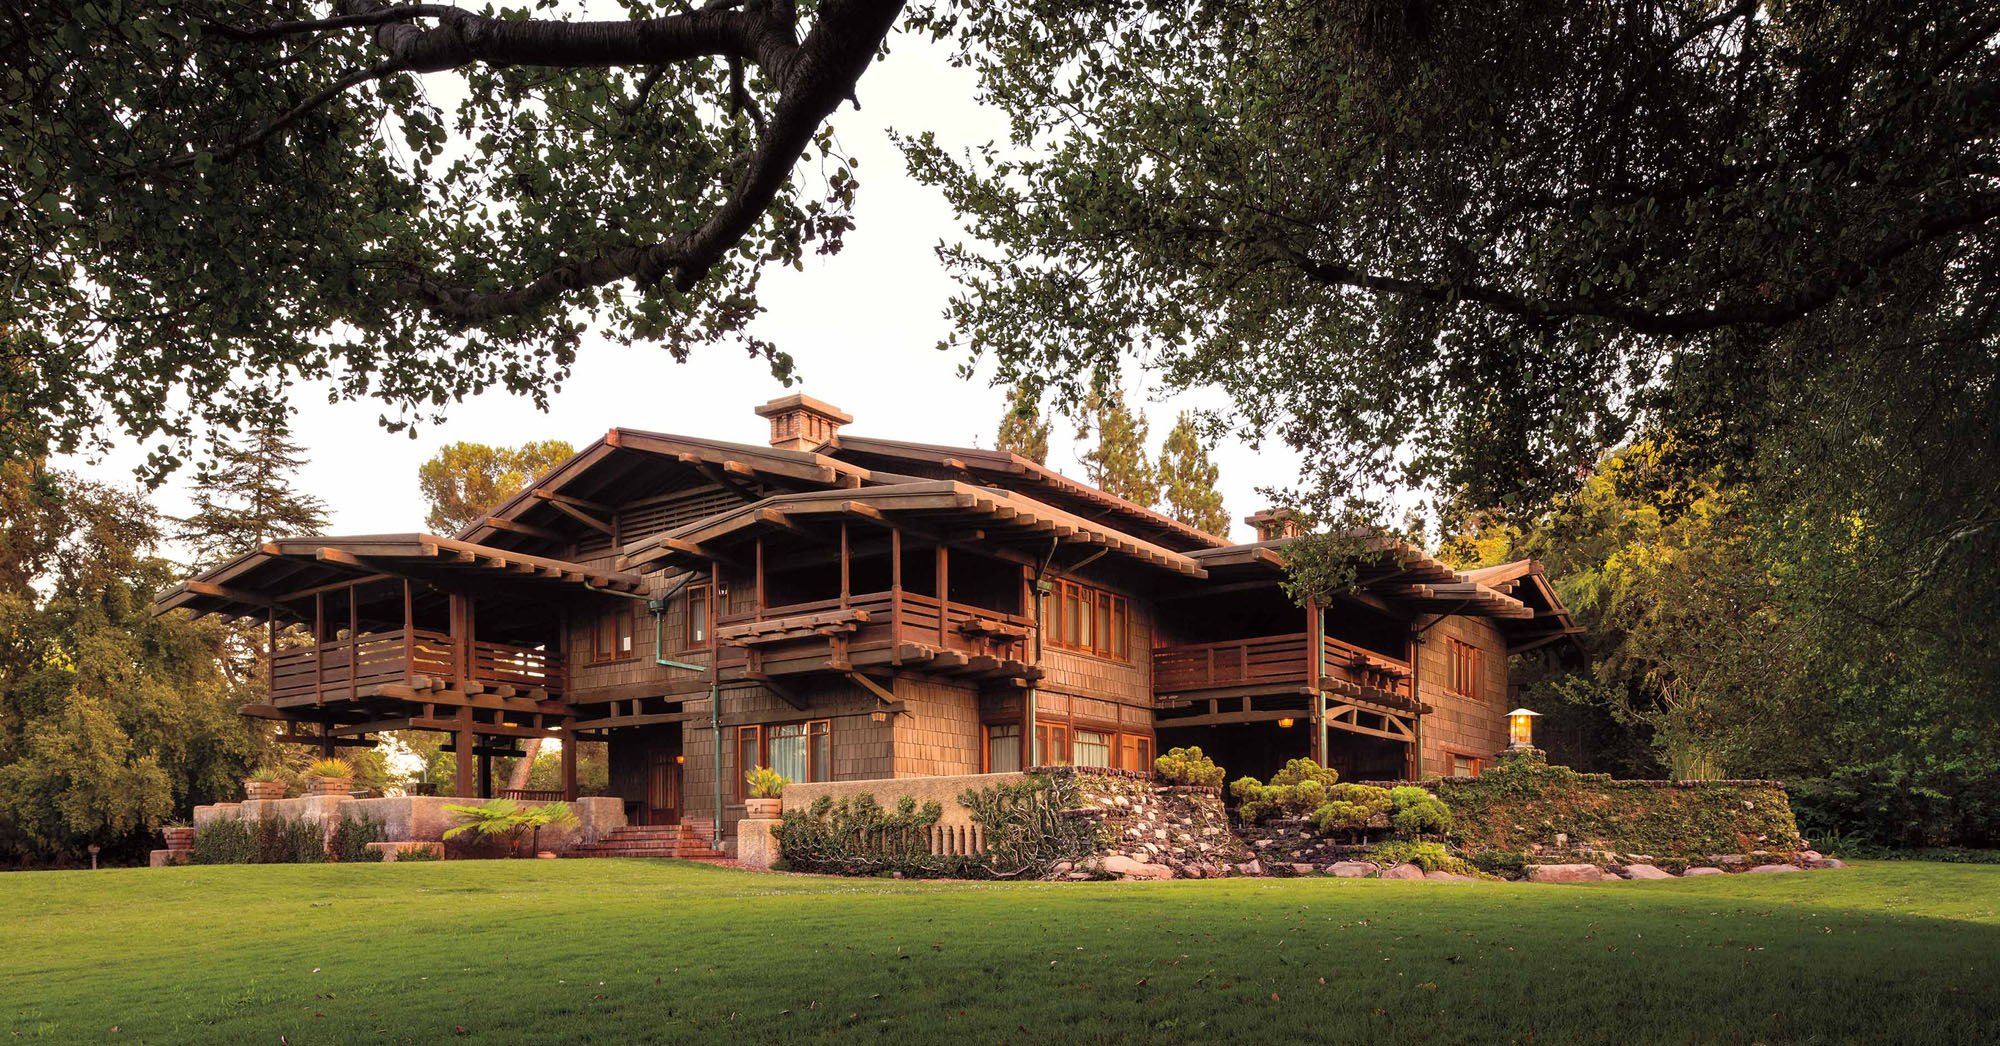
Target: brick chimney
(799, 422)
(1273, 524)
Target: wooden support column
(271, 655)
(845, 583)
(459, 620)
(943, 586)
(326, 741)
(409, 635)
(485, 776)
(569, 756)
(319, 646)
(896, 592)
(462, 784)
(760, 578)
(354, 642)
(1315, 678)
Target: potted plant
(329, 777)
(767, 790)
(179, 836)
(264, 783)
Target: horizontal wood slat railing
(339, 668)
(533, 795)
(906, 617)
(1272, 659)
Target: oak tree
(463, 481)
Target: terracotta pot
(263, 789)
(329, 785)
(179, 838)
(763, 809)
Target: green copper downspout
(659, 609)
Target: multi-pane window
(1003, 748)
(797, 751)
(1088, 620)
(1135, 752)
(697, 616)
(1461, 668)
(1091, 748)
(611, 635)
(1464, 766)
(1051, 744)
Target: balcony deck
(1273, 664)
(898, 628)
(377, 663)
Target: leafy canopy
(464, 481)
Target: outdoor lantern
(680, 759)
(1521, 728)
(1285, 723)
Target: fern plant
(509, 820)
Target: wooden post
(895, 592)
(354, 642)
(943, 587)
(462, 756)
(319, 646)
(326, 740)
(271, 655)
(760, 578)
(844, 562)
(409, 636)
(569, 755)
(485, 775)
(1315, 657)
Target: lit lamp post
(1521, 729)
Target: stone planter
(763, 809)
(179, 839)
(263, 789)
(320, 786)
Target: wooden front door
(663, 790)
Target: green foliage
(1119, 463)
(271, 840)
(1885, 807)
(765, 783)
(1023, 431)
(507, 820)
(1431, 857)
(264, 773)
(1417, 813)
(1351, 809)
(1188, 766)
(420, 853)
(244, 495)
(464, 481)
(1029, 828)
(1295, 791)
(297, 206)
(112, 721)
(1188, 479)
(335, 768)
(1516, 805)
(351, 835)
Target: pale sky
(863, 326)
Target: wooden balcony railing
(345, 668)
(1275, 661)
(874, 620)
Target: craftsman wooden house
(840, 607)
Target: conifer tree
(1119, 464)
(1022, 429)
(1187, 480)
(245, 497)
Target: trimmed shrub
(1298, 790)
(1351, 809)
(351, 836)
(1188, 766)
(1415, 812)
(1431, 857)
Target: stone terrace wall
(414, 818)
(1161, 831)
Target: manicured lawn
(618, 951)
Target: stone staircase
(689, 841)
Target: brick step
(684, 855)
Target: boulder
(1646, 871)
(1299, 868)
(1565, 873)
(1450, 877)
(1352, 869)
(1822, 862)
(1126, 867)
(1777, 868)
(1703, 870)
(1404, 871)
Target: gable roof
(1004, 469)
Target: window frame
(986, 745)
(697, 601)
(605, 635)
(1462, 668)
(1099, 619)
(762, 748)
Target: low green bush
(1431, 857)
(1416, 813)
(1188, 766)
(351, 836)
(269, 841)
(1351, 809)
(1029, 828)
(1297, 791)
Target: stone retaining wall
(1161, 831)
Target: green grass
(618, 951)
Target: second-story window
(1088, 620)
(1461, 668)
(612, 638)
(696, 634)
